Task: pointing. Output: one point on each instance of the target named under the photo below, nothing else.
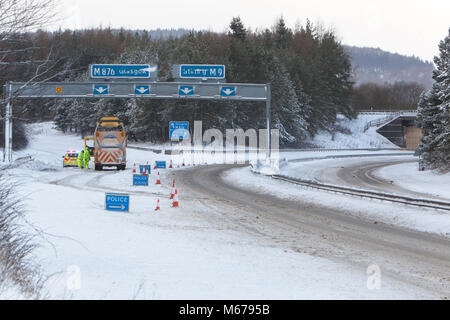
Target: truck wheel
(98, 167)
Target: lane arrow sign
(186, 90)
(141, 89)
(101, 89)
(228, 91)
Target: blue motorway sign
(100, 89)
(160, 164)
(124, 71)
(186, 90)
(179, 129)
(228, 91)
(141, 89)
(117, 202)
(200, 71)
(140, 180)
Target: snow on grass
(174, 254)
(407, 175)
(357, 138)
(428, 220)
(90, 253)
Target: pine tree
(434, 114)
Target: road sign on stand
(144, 168)
(140, 180)
(123, 71)
(117, 202)
(160, 164)
(100, 89)
(179, 130)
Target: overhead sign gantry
(198, 82)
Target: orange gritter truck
(110, 144)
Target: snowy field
(90, 253)
(357, 138)
(407, 175)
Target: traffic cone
(182, 163)
(175, 199)
(172, 193)
(157, 206)
(134, 167)
(170, 167)
(158, 180)
(154, 168)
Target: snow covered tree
(434, 114)
(290, 105)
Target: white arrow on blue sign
(123, 71)
(141, 89)
(117, 201)
(186, 90)
(228, 91)
(101, 89)
(160, 164)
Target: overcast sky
(403, 26)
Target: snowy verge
(427, 220)
(357, 137)
(408, 175)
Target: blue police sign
(117, 202)
(123, 71)
(228, 91)
(179, 129)
(140, 180)
(160, 164)
(200, 71)
(186, 90)
(101, 89)
(141, 89)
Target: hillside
(379, 66)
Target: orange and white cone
(175, 199)
(158, 180)
(157, 206)
(182, 163)
(134, 167)
(172, 193)
(170, 167)
(154, 168)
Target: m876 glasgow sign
(122, 71)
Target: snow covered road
(380, 173)
(319, 230)
(226, 241)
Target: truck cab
(110, 143)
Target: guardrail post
(268, 102)
(7, 155)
